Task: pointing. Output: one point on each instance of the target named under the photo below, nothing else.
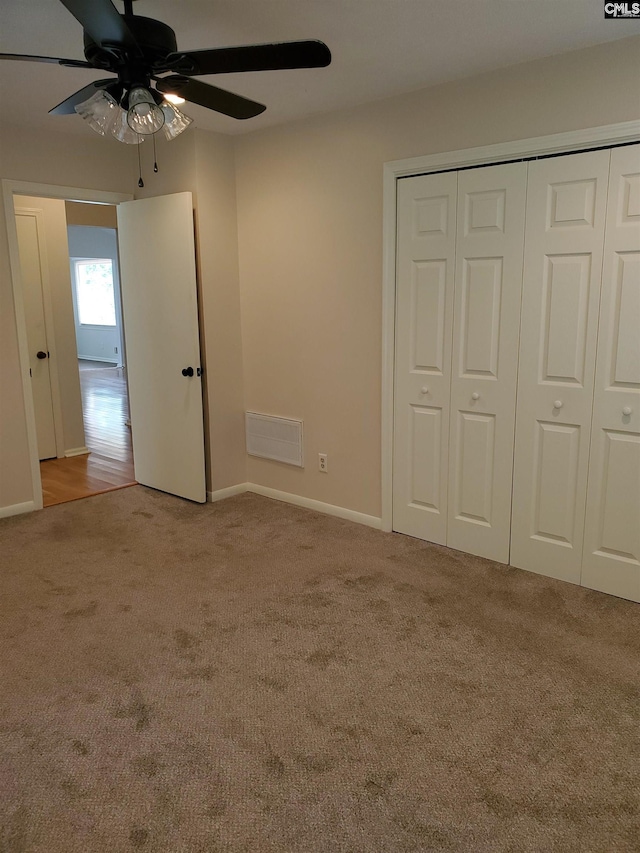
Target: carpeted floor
(249, 676)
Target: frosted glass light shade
(144, 115)
(121, 130)
(99, 111)
(175, 121)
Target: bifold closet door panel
(566, 205)
(486, 323)
(424, 309)
(611, 559)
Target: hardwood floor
(109, 465)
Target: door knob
(475, 396)
(557, 404)
(41, 354)
(627, 410)
(187, 371)
(424, 389)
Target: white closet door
(488, 288)
(424, 303)
(611, 560)
(566, 202)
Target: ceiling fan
(140, 50)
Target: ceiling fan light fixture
(144, 115)
(99, 111)
(174, 121)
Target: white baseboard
(229, 492)
(240, 488)
(76, 451)
(17, 509)
(318, 506)
(297, 500)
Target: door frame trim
(539, 146)
(37, 190)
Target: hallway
(109, 464)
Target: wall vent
(279, 439)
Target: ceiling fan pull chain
(140, 181)
(155, 159)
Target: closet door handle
(475, 396)
(41, 354)
(627, 410)
(424, 389)
(557, 404)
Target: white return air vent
(274, 438)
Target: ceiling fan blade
(256, 57)
(23, 57)
(210, 97)
(67, 107)
(102, 21)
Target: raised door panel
(488, 284)
(611, 560)
(426, 255)
(31, 248)
(566, 206)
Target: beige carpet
(248, 676)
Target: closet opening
(511, 371)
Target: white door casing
(33, 274)
(566, 205)
(486, 324)
(424, 306)
(159, 298)
(611, 559)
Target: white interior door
(611, 560)
(488, 287)
(424, 312)
(159, 298)
(28, 226)
(566, 203)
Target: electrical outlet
(323, 462)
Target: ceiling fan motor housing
(155, 41)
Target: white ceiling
(380, 48)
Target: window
(94, 291)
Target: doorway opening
(164, 369)
(68, 258)
(109, 463)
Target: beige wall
(65, 355)
(310, 244)
(217, 246)
(95, 215)
(309, 240)
(176, 167)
